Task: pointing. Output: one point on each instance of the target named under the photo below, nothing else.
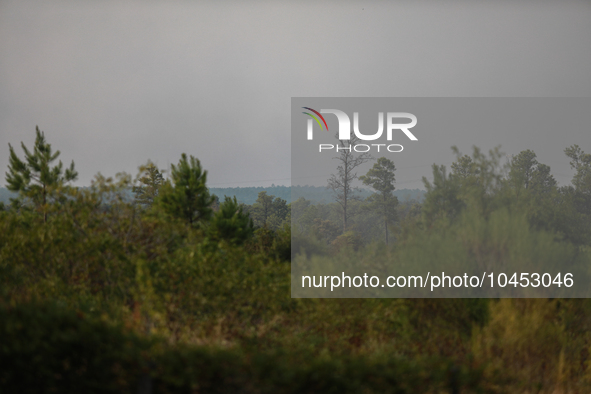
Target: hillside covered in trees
(180, 291)
(316, 194)
(249, 195)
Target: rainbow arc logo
(315, 118)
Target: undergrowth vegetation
(99, 293)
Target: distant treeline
(6, 195)
(249, 195)
(317, 194)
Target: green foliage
(150, 182)
(248, 195)
(280, 214)
(579, 199)
(527, 173)
(464, 167)
(475, 181)
(581, 163)
(262, 209)
(538, 343)
(50, 348)
(34, 178)
(67, 351)
(205, 305)
(326, 230)
(269, 211)
(185, 196)
(318, 221)
(234, 372)
(381, 178)
(302, 213)
(347, 241)
(87, 250)
(231, 222)
(442, 200)
(275, 244)
(308, 246)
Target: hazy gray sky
(114, 84)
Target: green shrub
(49, 348)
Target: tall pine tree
(381, 178)
(34, 178)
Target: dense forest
(179, 289)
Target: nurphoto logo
(344, 131)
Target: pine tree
(529, 174)
(269, 211)
(262, 209)
(581, 163)
(35, 178)
(150, 182)
(185, 196)
(231, 222)
(381, 178)
(580, 196)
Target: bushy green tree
(464, 167)
(475, 181)
(185, 195)
(581, 163)
(381, 176)
(35, 178)
(579, 197)
(325, 230)
(280, 214)
(303, 214)
(269, 211)
(150, 182)
(531, 188)
(443, 196)
(231, 222)
(262, 208)
(526, 173)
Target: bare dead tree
(341, 183)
